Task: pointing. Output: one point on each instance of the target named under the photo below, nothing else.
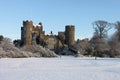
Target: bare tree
(98, 41)
(115, 41)
(117, 25)
(101, 28)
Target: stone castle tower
(29, 31)
(69, 35)
(26, 32)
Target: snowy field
(64, 68)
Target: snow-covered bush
(7, 49)
(39, 51)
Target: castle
(34, 34)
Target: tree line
(101, 44)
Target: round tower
(70, 35)
(28, 27)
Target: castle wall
(51, 41)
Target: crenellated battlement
(70, 27)
(25, 23)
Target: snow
(64, 68)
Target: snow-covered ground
(64, 68)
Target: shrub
(39, 51)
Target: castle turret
(69, 35)
(41, 26)
(27, 31)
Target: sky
(56, 14)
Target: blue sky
(55, 14)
